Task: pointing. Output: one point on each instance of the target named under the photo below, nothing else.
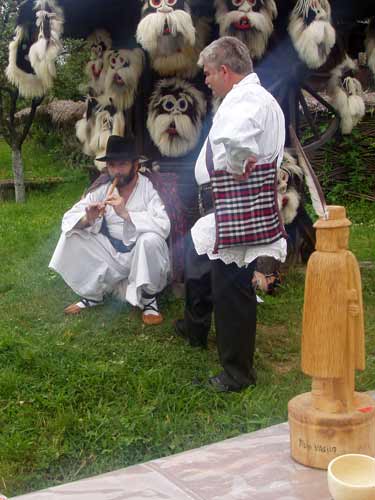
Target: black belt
(118, 245)
(205, 202)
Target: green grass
(84, 395)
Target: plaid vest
(247, 212)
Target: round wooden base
(316, 437)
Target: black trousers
(225, 290)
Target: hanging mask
(44, 52)
(108, 121)
(124, 69)
(19, 70)
(86, 125)
(167, 33)
(289, 182)
(345, 92)
(175, 116)
(98, 43)
(311, 31)
(251, 21)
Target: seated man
(116, 241)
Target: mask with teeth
(175, 116)
(249, 20)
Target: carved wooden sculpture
(332, 419)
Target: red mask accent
(243, 24)
(96, 73)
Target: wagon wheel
(299, 115)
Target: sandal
(81, 305)
(152, 319)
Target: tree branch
(29, 121)
(13, 108)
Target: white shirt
(145, 208)
(249, 122)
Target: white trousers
(90, 265)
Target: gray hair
(228, 51)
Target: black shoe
(222, 383)
(180, 331)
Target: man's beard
(124, 180)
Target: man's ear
(225, 69)
(136, 164)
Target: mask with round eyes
(311, 31)
(163, 4)
(124, 68)
(175, 116)
(251, 21)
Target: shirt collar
(252, 78)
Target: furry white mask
(108, 121)
(311, 31)
(288, 197)
(86, 125)
(249, 20)
(43, 53)
(345, 92)
(19, 71)
(124, 69)
(98, 43)
(167, 33)
(175, 116)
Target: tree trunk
(19, 181)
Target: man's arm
(93, 212)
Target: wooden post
(332, 419)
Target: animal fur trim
(254, 28)
(313, 41)
(175, 116)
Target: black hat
(119, 148)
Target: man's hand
(250, 165)
(94, 211)
(118, 204)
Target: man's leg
(89, 264)
(235, 321)
(148, 274)
(198, 303)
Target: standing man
(236, 173)
(116, 242)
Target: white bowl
(352, 477)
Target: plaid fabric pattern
(246, 212)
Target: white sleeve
(72, 216)
(238, 132)
(155, 219)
